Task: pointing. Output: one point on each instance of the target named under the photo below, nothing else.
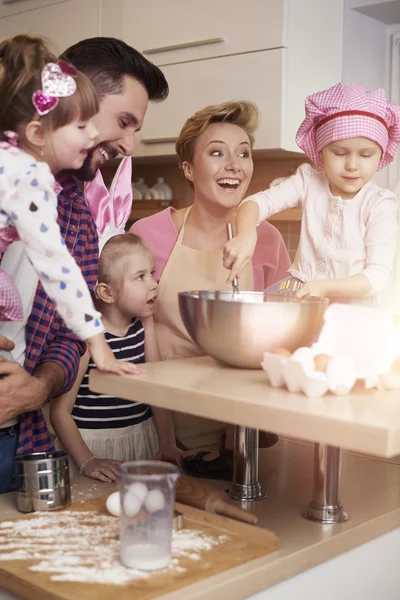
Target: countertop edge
(257, 575)
(323, 429)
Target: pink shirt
(270, 261)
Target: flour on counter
(84, 547)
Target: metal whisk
(235, 285)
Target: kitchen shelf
(147, 208)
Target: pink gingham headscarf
(348, 111)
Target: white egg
(374, 381)
(391, 381)
(113, 504)
(154, 501)
(139, 490)
(305, 357)
(341, 374)
(132, 504)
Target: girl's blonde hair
(22, 59)
(116, 257)
(243, 114)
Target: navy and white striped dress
(101, 411)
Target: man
(125, 82)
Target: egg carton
(298, 374)
(355, 343)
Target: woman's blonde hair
(243, 113)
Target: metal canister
(42, 481)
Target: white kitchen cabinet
(172, 31)
(62, 22)
(256, 77)
(277, 80)
(274, 53)
(13, 7)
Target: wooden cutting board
(238, 543)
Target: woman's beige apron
(188, 269)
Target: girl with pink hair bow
(100, 431)
(349, 229)
(46, 109)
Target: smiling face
(67, 147)
(222, 165)
(119, 117)
(350, 164)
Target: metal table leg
(325, 506)
(245, 485)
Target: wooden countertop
(365, 421)
(286, 475)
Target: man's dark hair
(106, 61)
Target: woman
(215, 153)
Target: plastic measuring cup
(147, 491)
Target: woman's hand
(313, 288)
(238, 252)
(103, 469)
(105, 360)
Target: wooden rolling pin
(201, 495)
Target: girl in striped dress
(98, 430)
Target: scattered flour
(84, 547)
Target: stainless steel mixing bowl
(238, 329)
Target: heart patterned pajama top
(28, 211)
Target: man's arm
(21, 392)
(18, 390)
(55, 371)
(65, 350)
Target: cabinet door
(63, 23)
(173, 31)
(256, 77)
(12, 7)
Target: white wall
(367, 56)
(364, 47)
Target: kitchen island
(366, 422)
(351, 566)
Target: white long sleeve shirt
(28, 202)
(338, 238)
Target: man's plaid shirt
(47, 337)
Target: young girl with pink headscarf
(348, 236)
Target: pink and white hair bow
(57, 82)
(111, 209)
